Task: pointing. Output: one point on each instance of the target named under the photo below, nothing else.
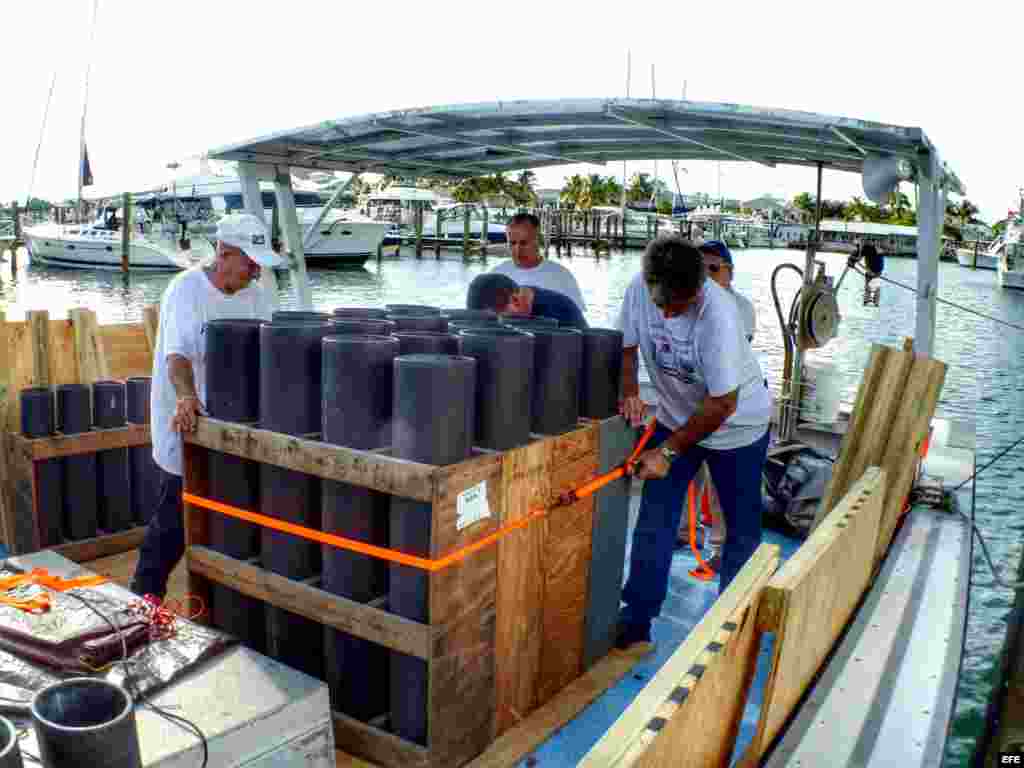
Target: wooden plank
(63, 365)
(608, 545)
(909, 431)
(566, 563)
(515, 743)
(333, 462)
(527, 486)
(450, 482)
(698, 723)
(90, 353)
(37, 449)
(39, 334)
(378, 746)
(353, 618)
(619, 739)
(102, 546)
(196, 480)
(879, 399)
(127, 349)
(808, 603)
(150, 326)
(7, 517)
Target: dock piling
(126, 230)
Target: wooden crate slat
(357, 619)
(631, 725)
(332, 462)
(809, 601)
(450, 483)
(566, 563)
(90, 353)
(87, 550)
(520, 586)
(7, 516)
(94, 441)
(39, 335)
(379, 746)
(196, 480)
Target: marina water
(984, 385)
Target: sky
(169, 81)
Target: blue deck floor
(687, 602)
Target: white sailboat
(1011, 257)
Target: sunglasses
(716, 267)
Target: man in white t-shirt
(528, 268)
(226, 288)
(719, 264)
(713, 406)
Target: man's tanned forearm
(712, 414)
(179, 370)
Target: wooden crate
(41, 352)
(508, 624)
(26, 454)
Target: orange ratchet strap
(413, 561)
(40, 603)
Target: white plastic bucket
(822, 386)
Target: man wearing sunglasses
(718, 261)
(713, 407)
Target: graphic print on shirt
(675, 356)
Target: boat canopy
(466, 140)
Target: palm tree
(575, 191)
(640, 188)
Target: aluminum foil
(63, 633)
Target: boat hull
(1013, 280)
(55, 246)
(985, 260)
(345, 243)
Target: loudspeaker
(881, 176)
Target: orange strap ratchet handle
(599, 482)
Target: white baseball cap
(245, 231)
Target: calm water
(984, 385)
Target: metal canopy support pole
(791, 403)
(929, 222)
(252, 199)
(292, 235)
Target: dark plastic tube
(114, 499)
(601, 373)
(470, 315)
(412, 309)
(528, 320)
(86, 721)
(365, 313)
(145, 479)
(433, 423)
(426, 343)
(410, 322)
(504, 381)
(291, 402)
(232, 394)
(558, 354)
(10, 750)
(74, 416)
(362, 327)
(300, 315)
(357, 384)
(38, 419)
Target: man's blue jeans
(737, 477)
(164, 543)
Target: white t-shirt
(747, 313)
(696, 354)
(547, 274)
(188, 303)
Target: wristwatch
(669, 454)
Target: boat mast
(625, 180)
(85, 106)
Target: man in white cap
(225, 288)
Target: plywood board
(527, 487)
(696, 727)
(808, 603)
(566, 563)
(879, 402)
(620, 739)
(127, 349)
(909, 431)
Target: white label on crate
(472, 506)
